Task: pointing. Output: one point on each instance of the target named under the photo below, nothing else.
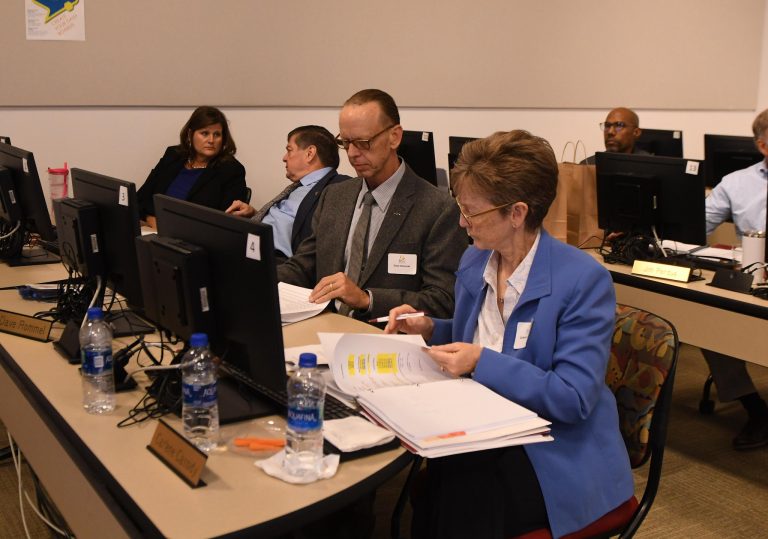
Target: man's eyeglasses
(359, 143)
(468, 217)
(606, 126)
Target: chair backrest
(641, 374)
(247, 195)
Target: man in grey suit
(405, 229)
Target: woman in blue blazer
(201, 169)
(533, 321)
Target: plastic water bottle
(96, 353)
(200, 408)
(304, 434)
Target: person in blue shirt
(202, 168)
(533, 321)
(741, 197)
(311, 158)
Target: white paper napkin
(354, 433)
(274, 466)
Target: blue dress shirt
(282, 214)
(740, 196)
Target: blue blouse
(183, 183)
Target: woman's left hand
(456, 358)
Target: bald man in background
(621, 129)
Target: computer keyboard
(708, 263)
(334, 408)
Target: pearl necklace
(193, 165)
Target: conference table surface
(40, 273)
(728, 322)
(107, 484)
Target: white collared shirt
(491, 323)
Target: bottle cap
(95, 313)
(307, 360)
(198, 340)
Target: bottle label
(199, 395)
(96, 362)
(304, 418)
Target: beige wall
(657, 54)
(126, 142)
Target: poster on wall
(55, 20)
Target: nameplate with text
(661, 271)
(25, 326)
(178, 453)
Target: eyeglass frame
(618, 126)
(344, 144)
(468, 218)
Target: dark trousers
(485, 494)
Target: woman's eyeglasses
(469, 216)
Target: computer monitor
(119, 218)
(724, 154)
(418, 150)
(28, 193)
(243, 297)
(455, 144)
(639, 193)
(664, 142)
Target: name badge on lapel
(401, 264)
(521, 335)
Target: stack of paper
(295, 305)
(399, 387)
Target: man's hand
(339, 286)
(241, 209)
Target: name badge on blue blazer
(521, 335)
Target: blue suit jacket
(560, 375)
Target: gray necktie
(358, 251)
(262, 213)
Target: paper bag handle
(575, 150)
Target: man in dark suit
(385, 238)
(311, 158)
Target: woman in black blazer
(202, 169)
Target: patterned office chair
(641, 373)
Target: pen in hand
(381, 319)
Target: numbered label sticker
(122, 196)
(24, 164)
(253, 247)
(204, 305)
(94, 243)
(692, 167)
(425, 136)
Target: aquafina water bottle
(98, 379)
(199, 409)
(304, 433)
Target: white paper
(361, 362)
(55, 20)
(295, 305)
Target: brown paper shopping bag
(578, 183)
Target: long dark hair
(203, 117)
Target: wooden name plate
(25, 326)
(178, 453)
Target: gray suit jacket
(420, 220)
